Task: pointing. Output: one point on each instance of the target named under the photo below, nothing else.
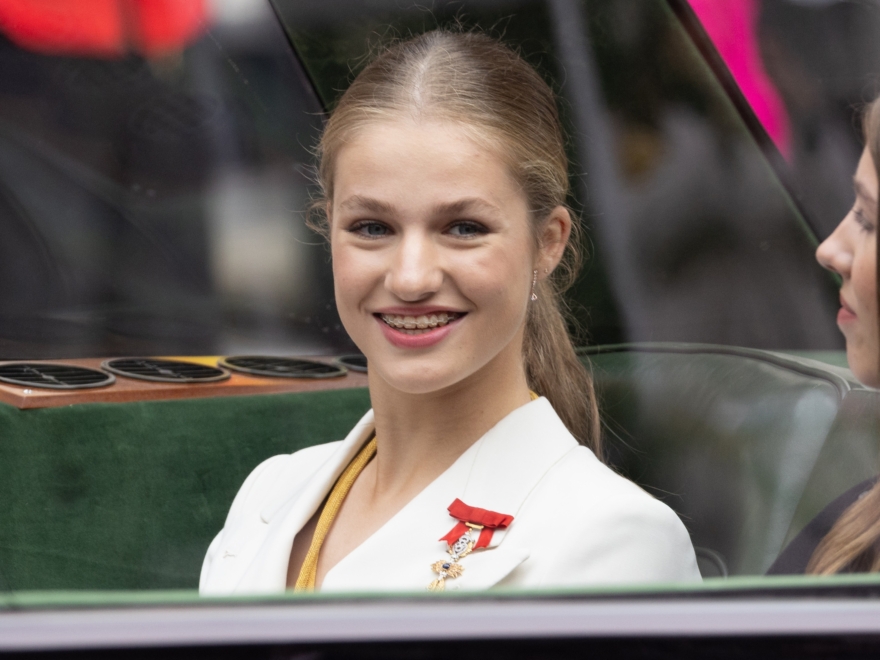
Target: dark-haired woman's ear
(553, 236)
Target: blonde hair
(853, 543)
(477, 82)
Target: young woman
(845, 537)
(445, 179)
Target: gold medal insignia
(461, 542)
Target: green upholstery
(745, 445)
(128, 496)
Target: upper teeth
(419, 322)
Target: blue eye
(370, 229)
(467, 229)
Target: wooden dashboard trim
(126, 390)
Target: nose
(834, 253)
(415, 272)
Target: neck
(421, 435)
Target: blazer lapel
(286, 514)
(497, 473)
(509, 462)
(513, 456)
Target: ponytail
(554, 370)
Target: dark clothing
(794, 559)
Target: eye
(864, 224)
(467, 229)
(370, 229)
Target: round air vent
(355, 362)
(279, 367)
(165, 371)
(53, 376)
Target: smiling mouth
(417, 325)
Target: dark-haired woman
(845, 537)
(444, 182)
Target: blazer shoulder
(581, 477)
(582, 469)
(610, 529)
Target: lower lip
(423, 340)
(845, 316)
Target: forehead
(865, 179)
(429, 157)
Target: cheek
(864, 277)
(863, 346)
(500, 280)
(348, 278)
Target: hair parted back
(477, 82)
(853, 543)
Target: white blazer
(576, 522)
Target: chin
(420, 380)
(417, 386)
(866, 368)
(869, 377)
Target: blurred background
(154, 169)
(155, 164)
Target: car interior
(745, 445)
(154, 198)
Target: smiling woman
(444, 176)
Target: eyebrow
(366, 204)
(462, 206)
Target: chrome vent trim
(281, 367)
(164, 371)
(53, 376)
(354, 362)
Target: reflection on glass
(154, 172)
(678, 200)
(151, 191)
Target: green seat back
(128, 496)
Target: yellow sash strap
(309, 570)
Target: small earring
(534, 295)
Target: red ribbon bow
(488, 520)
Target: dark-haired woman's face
(433, 254)
(851, 251)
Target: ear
(553, 237)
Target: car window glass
(153, 193)
(678, 200)
(153, 181)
